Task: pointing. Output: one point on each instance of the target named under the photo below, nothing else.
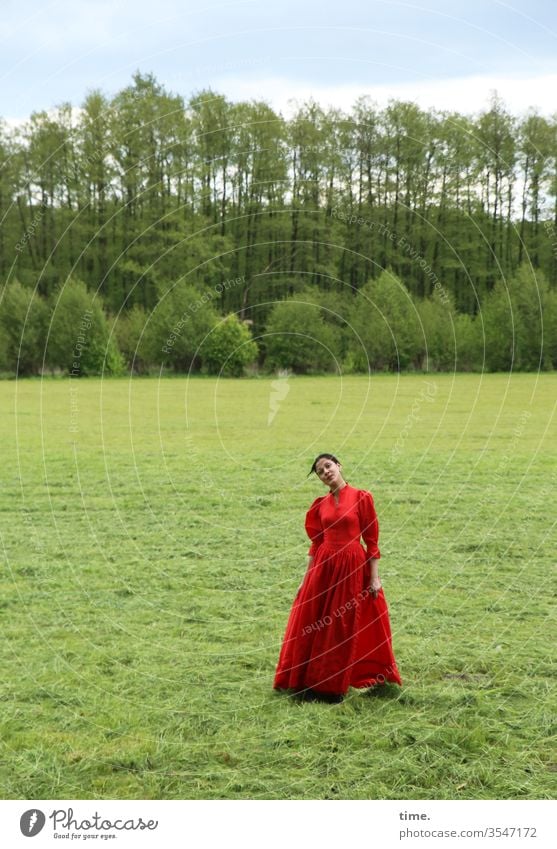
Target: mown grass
(150, 557)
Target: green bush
(298, 338)
(469, 343)
(178, 326)
(496, 320)
(517, 315)
(22, 329)
(79, 341)
(229, 348)
(386, 327)
(131, 334)
(335, 310)
(437, 319)
(3, 352)
(550, 329)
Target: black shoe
(305, 695)
(311, 696)
(329, 698)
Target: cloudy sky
(439, 53)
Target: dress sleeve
(314, 527)
(369, 524)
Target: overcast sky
(439, 53)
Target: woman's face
(329, 472)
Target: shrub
(386, 328)
(516, 316)
(438, 333)
(297, 338)
(469, 346)
(131, 333)
(79, 340)
(22, 328)
(229, 348)
(177, 328)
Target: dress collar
(332, 494)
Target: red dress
(338, 635)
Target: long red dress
(338, 635)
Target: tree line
(398, 237)
(382, 327)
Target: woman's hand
(374, 581)
(375, 585)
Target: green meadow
(152, 539)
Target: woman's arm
(314, 528)
(314, 531)
(370, 534)
(375, 580)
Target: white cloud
(463, 94)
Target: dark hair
(320, 457)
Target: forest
(144, 231)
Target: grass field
(152, 540)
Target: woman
(338, 634)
